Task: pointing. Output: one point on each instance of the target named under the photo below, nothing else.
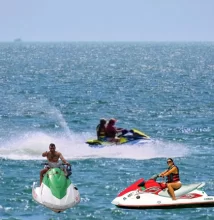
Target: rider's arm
(173, 170)
(45, 154)
(162, 174)
(63, 159)
(119, 129)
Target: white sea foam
(30, 146)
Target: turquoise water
(57, 92)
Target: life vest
(101, 131)
(173, 177)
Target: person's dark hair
(170, 159)
(112, 121)
(52, 145)
(102, 121)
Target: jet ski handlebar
(66, 167)
(155, 176)
(64, 164)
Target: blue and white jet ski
(130, 137)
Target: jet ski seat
(184, 189)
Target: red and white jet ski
(151, 194)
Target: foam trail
(30, 146)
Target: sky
(107, 20)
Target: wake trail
(30, 146)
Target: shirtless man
(52, 157)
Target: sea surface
(57, 92)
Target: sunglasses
(169, 161)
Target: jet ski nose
(115, 201)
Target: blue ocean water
(57, 92)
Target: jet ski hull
(43, 196)
(157, 204)
(132, 137)
(138, 196)
(105, 143)
(174, 206)
(56, 191)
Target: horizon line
(105, 41)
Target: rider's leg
(171, 187)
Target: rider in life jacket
(173, 179)
(101, 130)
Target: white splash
(30, 146)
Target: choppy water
(57, 92)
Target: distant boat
(17, 40)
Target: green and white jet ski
(131, 137)
(56, 191)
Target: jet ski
(151, 194)
(130, 137)
(56, 191)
